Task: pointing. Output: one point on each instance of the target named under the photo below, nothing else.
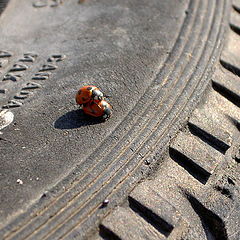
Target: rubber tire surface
(187, 152)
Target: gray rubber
(67, 176)
(194, 193)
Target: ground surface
(167, 161)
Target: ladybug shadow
(75, 119)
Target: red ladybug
(98, 109)
(88, 93)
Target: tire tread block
(199, 152)
(127, 225)
(152, 203)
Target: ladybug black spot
(79, 92)
(89, 88)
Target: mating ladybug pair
(93, 103)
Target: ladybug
(101, 109)
(88, 93)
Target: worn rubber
(194, 192)
(167, 169)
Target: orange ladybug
(98, 109)
(88, 93)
